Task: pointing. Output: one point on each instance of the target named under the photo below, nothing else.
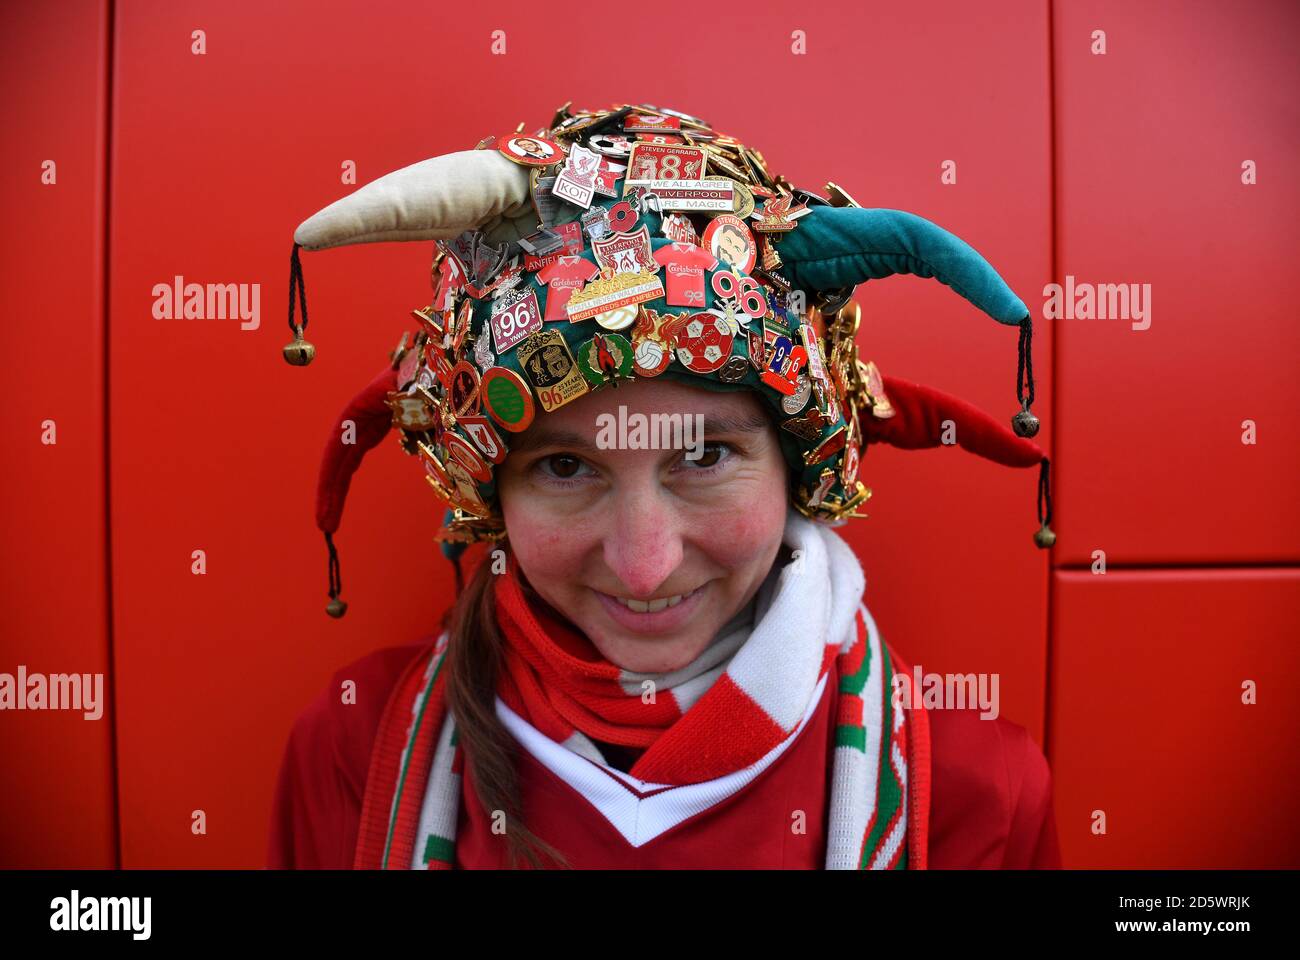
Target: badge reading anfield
(610, 293)
(679, 229)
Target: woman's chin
(639, 655)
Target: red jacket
(990, 787)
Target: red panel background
(1151, 138)
(214, 440)
(57, 805)
(1155, 734)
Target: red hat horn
(920, 412)
(346, 447)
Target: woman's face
(686, 541)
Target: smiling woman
(665, 660)
(647, 552)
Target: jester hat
(631, 243)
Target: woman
(664, 660)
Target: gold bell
(1024, 423)
(299, 352)
(1044, 537)
(336, 608)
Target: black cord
(336, 580)
(1024, 361)
(1044, 492)
(295, 281)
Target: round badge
(463, 452)
(743, 202)
(849, 467)
(729, 239)
(796, 401)
(622, 217)
(530, 151)
(410, 364)
(464, 381)
(466, 495)
(704, 343)
(652, 358)
(611, 145)
(620, 318)
(508, 399)
(605, 357)
(734, 370)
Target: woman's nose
(643, 541)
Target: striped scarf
(745, 695)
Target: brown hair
(474, 656)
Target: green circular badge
(507, 399)
(605, 357)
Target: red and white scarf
(743, 697)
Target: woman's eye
(561, 466)
(713, 454)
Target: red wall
(194, 435)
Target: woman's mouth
(654, 615)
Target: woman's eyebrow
(714, 424)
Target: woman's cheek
(541, 539)
(747, 525)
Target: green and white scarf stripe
(417, 718)
(856, 775)
(864, 781)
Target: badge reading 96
(514, 320)
(550, 367)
